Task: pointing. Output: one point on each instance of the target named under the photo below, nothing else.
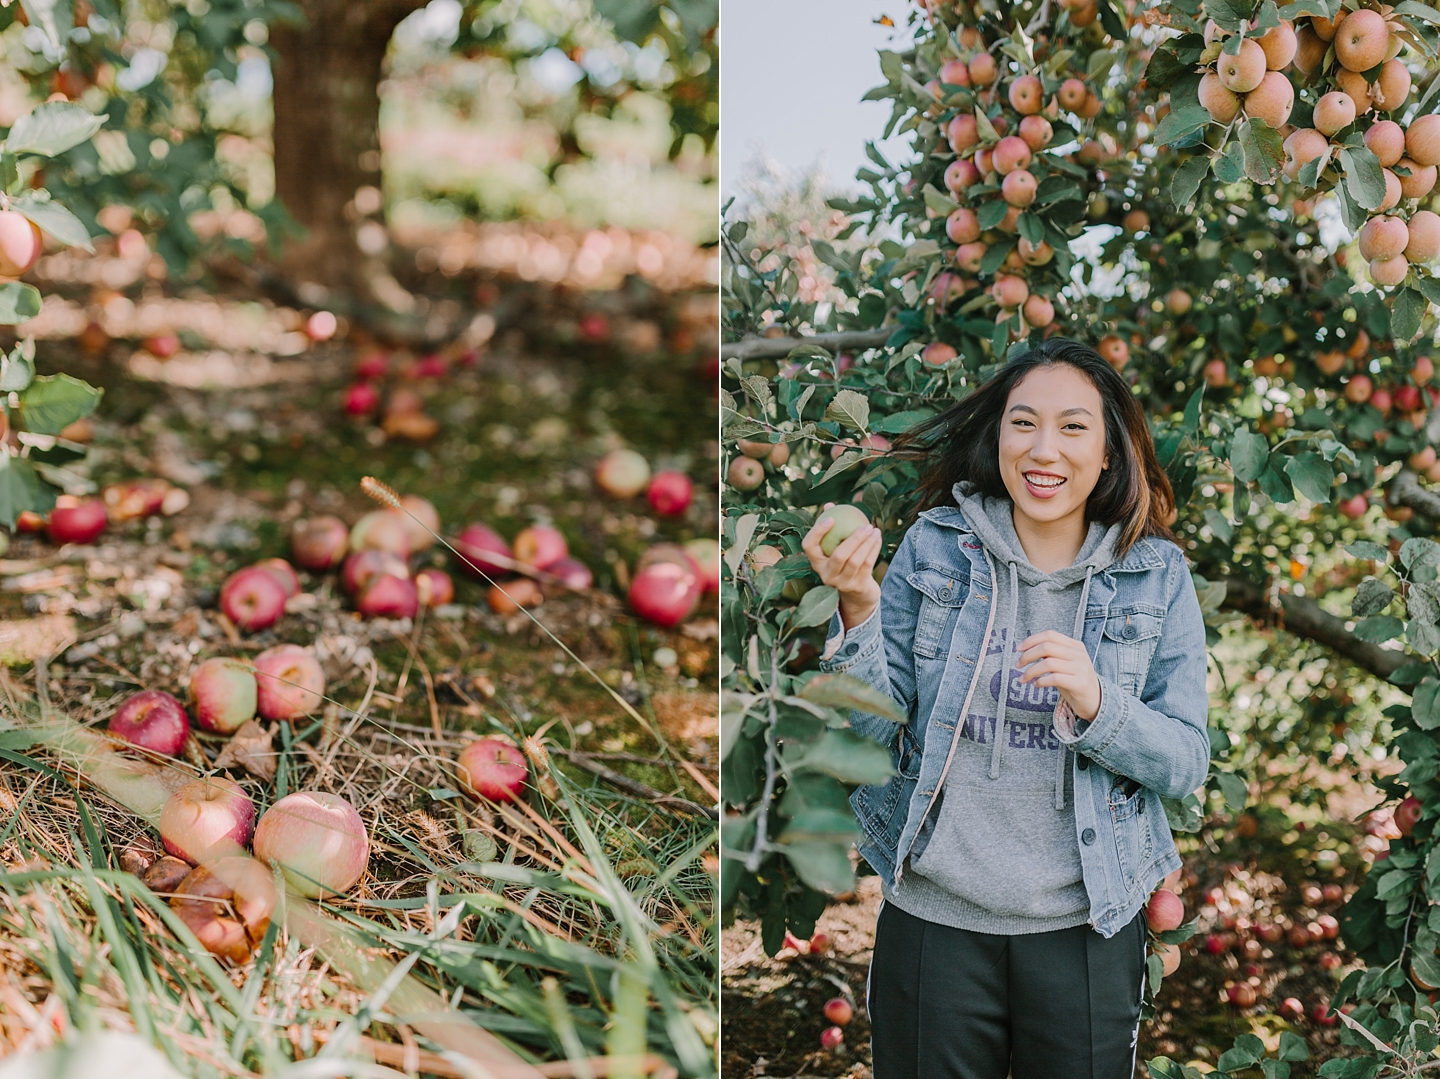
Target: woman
(1024, 831)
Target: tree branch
(1405, 490)
(1306, 618)
(774, 348)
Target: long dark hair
(963, 443)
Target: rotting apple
(223, 694)
(289, 682)
(476, 543)
(76, 520)
(493, 769)
(317, 839)
(227, 904)
(622, 473)
(540, 546)
(165, 874)
(381, 530)
(207, 818)
(153, 720)
(252, 598)
(320, 543)
(388, 596)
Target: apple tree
(1230, 200)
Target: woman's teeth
(1044, 481)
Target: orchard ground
(247, 417)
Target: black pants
(950, 1004)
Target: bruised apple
(222, 693)
(289, 682)
(493, 769)
(207, 818)
(227, 904)
(317, 839)
(153, 720)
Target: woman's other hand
(850, 569)
(1052, 659)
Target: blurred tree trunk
(327, 134)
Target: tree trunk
(327, 131)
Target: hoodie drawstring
(1077, 633)
(1005, 667)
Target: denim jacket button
(1083, 762)
(1087, 836)
(851, 649)
(1129, 631)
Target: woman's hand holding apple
(849, 569)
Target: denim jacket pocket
(1134, 631)
(943, 591)
(1134, 842)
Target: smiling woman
(1038, 626)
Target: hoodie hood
(993, 522)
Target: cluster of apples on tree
(316, 838)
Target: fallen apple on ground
(165, 874)
(364, 566)
(152, 719)
(670, 493)
(318, 839)
(540, 546)
(134, 498)
(434, 588)
(665, 593)
(420, 520)
(572, 574)
(227, 904)
(252, 598)
(320, 543)
(223, 694)
(284, 574)
(381, 530)
(493, 769)
(207, 818)
(706, 554)
(76, 520)
(510, 596)
(289, 682)
(837, 1009)
(388, 596)
(622, 473)
(475, 543)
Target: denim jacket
(923, 647)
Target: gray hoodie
(1001, 855)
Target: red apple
(75, 520)
(1298, 938)
(227, 904)
(1165, 911)
(252, 598)
(388, 596)
(540, 546)
(1354, 508)
(493, 769)
(832, 1038)
(1332, 893)
(1407, 815)
(510, 596)
(474, 544)
(670, 493)
(819, 945)
(284, 573)
(153, 720)
(430, 366)
(223, 693)
(1407, 398)
(207, 818)
(318, 839)
(134, 498)
(706, 554)
(433, 588)
(622, 473)
(420, 520)
(1291, 1008)
(572, 574)
(665, 593)
(361, 399)
(1423, 370)
(320, 543)
(363, 566)
(837, 1009)
(162, 346)
(321, 326)
(371, 366)
(1320, 1015)
(1242, 995)
(289, 682)
(381, 530)
(1270, 933)
(1214, 944)
(29, 521)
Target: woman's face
(1052, 443)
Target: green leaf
(1372, 552)
(53, 17)
(991, 213)
(1425, 708)
(1244, 1053)
(1233, 789)
(815, 607)
(18, 302)
(1184, 814)
(1275, 1069)
(54, 219)
(1371, 597)
(846, 691)
(820, 826)
(1426, 966)
(1186, 180)
(1381, 627)
(1420, 11)
(1419, 552)
(52, 128)
(1312, 475)
(16, 371)
(744, 533)
(1407, 311)
(1263, 152)
(938, 203)
(1363, 178)
(21, 489)
(1249, 453)
(1293, 1047)
(1180, 122)
(851, 409)
(824, 866)
(54, 402)
(849, 757)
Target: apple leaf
(54, 402)
(18, 302)
(51, 128)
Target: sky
(791, 77)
